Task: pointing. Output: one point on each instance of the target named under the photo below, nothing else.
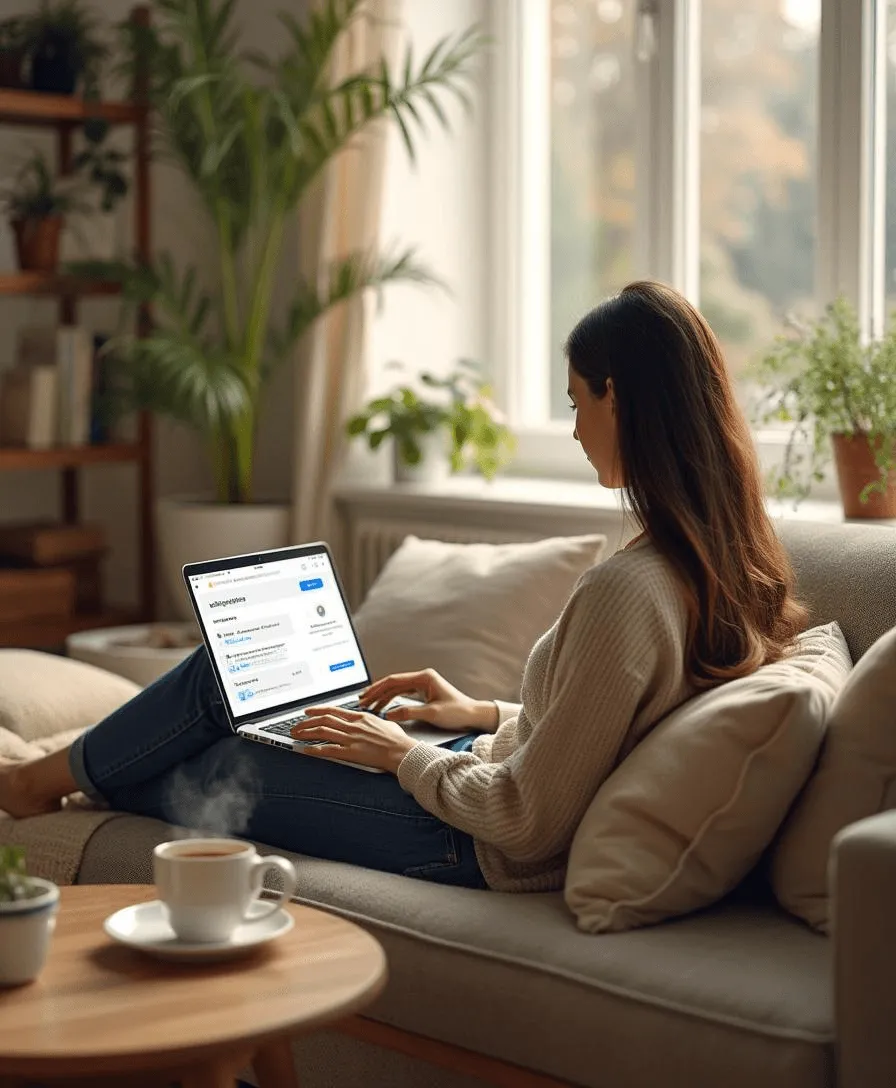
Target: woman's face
(595, 429)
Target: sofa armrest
(863, 904)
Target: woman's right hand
(443, 705)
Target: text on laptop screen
(279, 632)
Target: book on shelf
(29, 400)
(48, 543)
(73, 352)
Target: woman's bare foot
(16, 798)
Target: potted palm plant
(252, 137)
(449, 426)
(836, 391)
(37, 202)
(28, 907)
(63, 48)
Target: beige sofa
(503, 989)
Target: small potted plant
(64, 49)
(12, 51)
(835, 390)
(37, 203)
(28, 907)
(451, 427)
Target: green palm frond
(252, 135)
(343, 280)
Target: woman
(703, 594)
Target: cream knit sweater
(610, 667)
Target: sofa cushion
(471, 611)
(687, 814)
(738, 995)
(42, 694)
(856, 777)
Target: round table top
(98, 1001)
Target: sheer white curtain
(343, 215)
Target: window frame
(850, 256)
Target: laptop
(280, 638)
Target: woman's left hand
(354, 736)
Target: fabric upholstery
(688, 813)
(511, 976)
(845, 573)
(855, 778)
(470, 611)
(863, 882)
(42, 694)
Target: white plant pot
(194, 530)
(26, 927)
(119, 650)
(433, 467)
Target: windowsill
(471, 492)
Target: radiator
(373, 539)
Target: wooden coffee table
(99, 1010)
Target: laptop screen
(278, 630)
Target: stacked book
(51, 396)
(50, 569)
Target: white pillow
(687, 814)
(43, 694)
(856, 777)
(470, 611)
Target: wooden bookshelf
(55, 110)
(44, 283)
(51, 632)
(64, 114)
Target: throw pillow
(470, 611)
(856, 777)
(685, 816)
(43, 694)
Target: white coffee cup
(209, 886)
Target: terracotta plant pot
(854, 459)
(37, 243)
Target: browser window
(279, 632)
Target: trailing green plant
(476, 435)
(15, 883)
(824, 379)
(36, 192)
(71, 32)
(253, 135)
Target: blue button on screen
(341, 665)
(311, 583)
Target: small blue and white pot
(26, 926)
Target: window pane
(592, 165)
(891, 159)
(759, 126)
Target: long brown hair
(691, 475)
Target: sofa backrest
(845, 573)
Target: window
(592, 166)
(758, 153)
(734, 150)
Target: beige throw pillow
(470, 611)
(686, 815)
(856, 777)
(43, 694)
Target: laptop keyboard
(283, 729)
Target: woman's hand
(443, 705)
(354, 736)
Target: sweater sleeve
(610, 641)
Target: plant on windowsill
(834, 389)
(28, 908)
(452, 427)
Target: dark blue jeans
(171, 753)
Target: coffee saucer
(145, 926)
